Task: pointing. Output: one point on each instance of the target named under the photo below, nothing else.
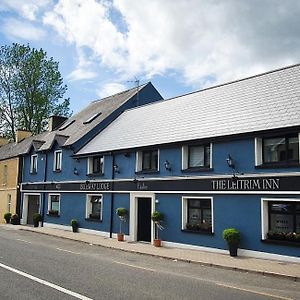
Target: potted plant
(15, 219)
(233, 237)
(36, 219)
(7, 217)
(122, 214)
(75, 225)
(157, 217)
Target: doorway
(33, 207)
(144, 219)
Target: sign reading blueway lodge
(259, 184)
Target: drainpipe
(112, 196)
(44, 195)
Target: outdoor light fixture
(167, 165)
(230, 162)
(75, 171)
(116, 168)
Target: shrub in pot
(74, 224)
(122, 214)
(233, 237)
(157, 217)
(15, 219)
(36, 219)
(7, 217)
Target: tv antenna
(137, 85)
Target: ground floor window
(94, 207)
(197, 214)
(54, 204)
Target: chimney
(55, 122)
(21, 135)
(3, 141)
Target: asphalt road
(35, 266)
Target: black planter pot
(75, 228)
(35, 223)
(15, 221)
(233, 250)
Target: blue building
(226, 156)
(50, 162)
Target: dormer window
(57, 161)
(96, 165)
(33, 164)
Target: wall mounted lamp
(75, 171)
(167, 165)
(116, 168)
(230, 162)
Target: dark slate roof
(72, 129)
(262, 102)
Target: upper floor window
(198, 156)
(279, 150)
(147, 161)
(54, 204)
(33, 164)
(96, 165)
(57, 160)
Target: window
(4, 175)
(54, 204)
(147, 161)
(57, 160)
(33, 164)
(283, 149)
(96, 165)
(198, 156)
(94, 207)
(197, 214)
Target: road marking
(67, 251)
(206, 280)
(254, 292)
(133, 266)
(44, 282)
(23, 241)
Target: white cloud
(206, 41)
(110, 89)
(14, 28)
(27, 9)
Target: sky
(104, 47)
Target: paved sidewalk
(245, 264)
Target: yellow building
(10, 172)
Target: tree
(31, 90)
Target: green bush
(232, 236)
(157, 216)
(37, 217)
(7, 217)
(121, 211)
(74, 222)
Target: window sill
(197, 169)
(95, 174)
(281, 242)
(52, 215)
(278, 165)
(198, 232)
(93, 220)
(57, 171)
(147, 172)
(33, 173)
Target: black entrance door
(144, 220)
(33, 207)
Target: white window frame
(90, 169)
(184, 204)
(185, 156)
(55, 161)
(33, 158)
(264, 210)
(139, 160)
(88, 205)
(49, 202)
